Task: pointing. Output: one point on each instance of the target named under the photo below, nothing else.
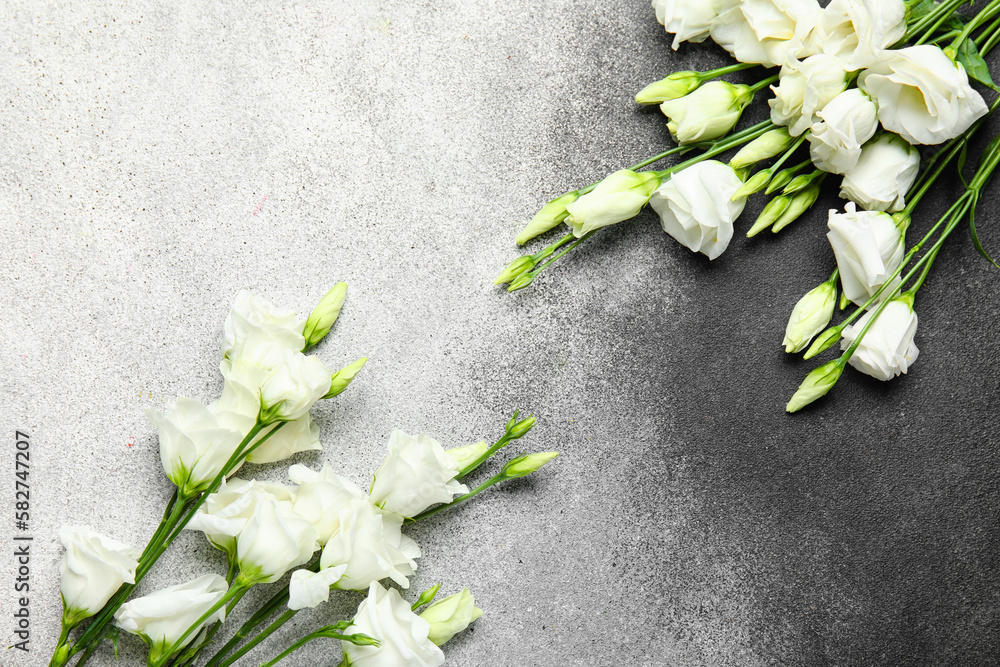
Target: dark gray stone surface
(400, 146)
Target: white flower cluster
(267, 378)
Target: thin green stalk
(993, 32)
(930, 22)
(265, 633)
(728, 69)
(496, 479)
(763, 83)
(787, 154)
(981, 17)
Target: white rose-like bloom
(618, 197)
(403, 636)
(805, 88)
(883, 174)
(688, 20)
(226, 512)
(845, 124)
(709, 112)
(696, 208)
(254, 327)
(93, 568)
(858, 31)
(416, 474)
(194, 443)
(372, 546)
(160, 618)
(321, 496)
(292, 388)
(298, 435)
(868, 246)
(887, 348)
(764, 31)
(274, 540)
(308, 589)
(922, 95)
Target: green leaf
(975, 236)
(921, 9)
(960, 166)
(974, 64)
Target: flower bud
(426, 597)
(93, 568)
(676, 85)
(324, 315)
(767, 145)
(810, 316)
(756, 183)
(521, 428)
(514, 269)
(465, 455)
(708, 113)
(292, 388)
(451, 615)
(801, 202)
(520, 282)
(823, 342)
(548, 217)
(772, 211)
(343, 378)
(527, 464)
(618, 197)
(801, 182)
(816, 385)
(781, 179)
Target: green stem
(728, 69)
(930, 22)
(787, 154)
(993, 32)
(476, 491)
(981, 17)
(265, 633)
(755, 88)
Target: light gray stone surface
(158, 157)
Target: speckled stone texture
(158, 157)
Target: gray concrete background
(399, 146)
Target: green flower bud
(844, 301)
(676, 85)
(823, 342)
(810, 316)
(520, 282)
(800, 202)
(514, 269)
(465, 455)
(781, 179)
(816, 385)
(521, 428)
(708, 113)
(548, 216)
(618, 197)
(451, 615)
(767, 145)
(426, 597)
(324, 315)
(772, 211)
(527, 464)
(342, 378)
(755, 184)
(801, 182)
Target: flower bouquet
(324, 529)
(861, 85)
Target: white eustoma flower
(708, 113)
(161, 618)
(804, 88)
(845, 124)
(372, 546)
(226, 512)
(293, 387)
(868, 246)
(195, 443)
(858, 31)
(766, 32)
(618, 197)
(810, 315)
(254, 329)
(402, 635)
(93, 567)
(887, 348)
(307, 589)
(922, 95)
(298, 435)
(416, 474)
(321, 495)
(688, 20)
(274, 540)
(696, 208)
(451, 615)
(883, 174)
